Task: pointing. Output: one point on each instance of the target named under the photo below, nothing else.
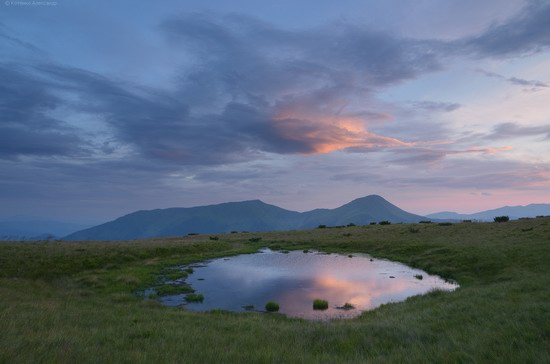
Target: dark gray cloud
(533, 84)
(26, 126)
(436, 106)
(524, 34)
(515, 130)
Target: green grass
(272, 306)
(319, 304)
(64, 302)
(194, 297)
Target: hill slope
(246, 215)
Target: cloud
(535, 85)
(436, 106)
(515, 130)
(526, 33)
(27, 127)
(430, 156)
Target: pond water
(294, 279)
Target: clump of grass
(501, 219)
(347, 306)
(272, 306)
(321, 227)
(425, 222)
(306, 251)
(419, 276)
(445, 223)
(385, 222)
(169, 289)
(248, 307)
(213, 238)
(189, 270)
(194, 297)
(414, 230)
(254, 240)
(176, 275)
(346, 234)
(372, 223)
(319, 304)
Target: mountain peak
(249, 215)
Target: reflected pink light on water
(295, 279)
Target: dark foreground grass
(76, 302)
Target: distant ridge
(514, 212)
(253, 215)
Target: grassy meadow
(79, 302)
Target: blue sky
(110, 107)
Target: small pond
(294, 279)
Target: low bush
(385, 222)
(501, 218)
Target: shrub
(466, 220)
(321, 227)
(319, 304)
(425, 222)
(189, 270)
(214, 238)
(501, 218)
(445, 223)
(254, 240)
(385, 222)
(372, 223)
(418, 276)
(272, 306)
(348, 306)
(351, 224)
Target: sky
(110, 107)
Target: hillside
(84, 302)
(252, 215)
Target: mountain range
(36, 229)
(514, 212)
(253, 215)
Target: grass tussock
(272, 306)
(319, 304)
(68, 302)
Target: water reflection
(295, 279)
